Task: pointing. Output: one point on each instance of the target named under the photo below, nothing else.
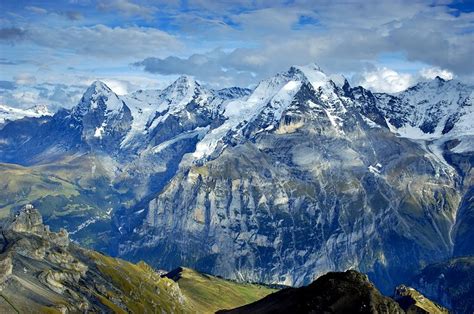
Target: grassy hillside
(207, 294)
(21, 185)
(75, 193)
(138, 287)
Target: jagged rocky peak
(181, 87)
(181, 92)
(29, 220)
(8, 113)
(286, 84)
(431, 110)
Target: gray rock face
(6, 268)
(28, 220)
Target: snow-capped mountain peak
(270, 98)
(314, 75)
(183, 87)
(98, 86)
(428, 109)
(98, 96)
(437, 110)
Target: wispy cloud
(36, 10)
(126, 7)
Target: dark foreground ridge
(341, 292)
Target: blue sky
(51, 50)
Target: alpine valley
(279, 184)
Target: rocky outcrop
(414, 302)
(29, 220)
(6, 268)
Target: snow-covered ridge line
(436, 110)
(428, 111)
(11, 113)
(442, 101)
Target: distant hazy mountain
(10, 113)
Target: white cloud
(386, 80)
(52, 95)
(27, 98)
(118, 87)
(431, 73)
(24, 78)
(250, 40)
(126, 7)
(36, 10)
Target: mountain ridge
(299, 174)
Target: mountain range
(279, 184)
